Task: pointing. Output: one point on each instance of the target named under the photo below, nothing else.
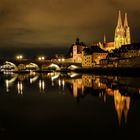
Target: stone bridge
(39, 65)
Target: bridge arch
(32, 66)
(54, 67)
(8, 66)
(21, 67)
(73, 67)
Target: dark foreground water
(59, 105)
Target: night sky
(56, 23)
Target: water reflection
(41, 85)
(122, 89)
(9, 82)
(122, 105)
(20, 87)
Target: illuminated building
(92, 56)
(119, 39)
(87, 61)
(75, 52)
(109, 46)
(122, 33)
(126, 56)
(98, 54)
(130, 50)
(86, 58)
(127, 31)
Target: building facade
(126, 56)
(98, 54)
(92, 56)
(77, 49)
(122, 32)
(75, 52)
(87, 61)
(122, 35)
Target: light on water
(79, 102)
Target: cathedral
(122, 32)
(122, 35)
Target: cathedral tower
(122, 32)
(119, 39)
(127, 30)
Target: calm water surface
(69, 104)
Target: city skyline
(57, 23)
(69, 68)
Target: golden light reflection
(81, 87)
(104, 98)
(34, 79)
(122, 105)
(9, 83)
(54, 75)
(41, 85)
(61, 83)
(20, 87)
(75, 89)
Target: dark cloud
(59, 22)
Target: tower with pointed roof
(119, 33)
(122, 32)
(127, 30)
(104, 39)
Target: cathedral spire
(104, 38)
(122, 32)
(119, 19)
(125, 20)
(127, 30)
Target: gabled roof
(125, 48)
(97, 49)
(93, 49)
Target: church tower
(127, 30)
(119, 39)
(122, 32)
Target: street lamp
(19, 57)
(63, 59)
(41, 58)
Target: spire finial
(104, 38)
(125, 20)
(119, 19)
